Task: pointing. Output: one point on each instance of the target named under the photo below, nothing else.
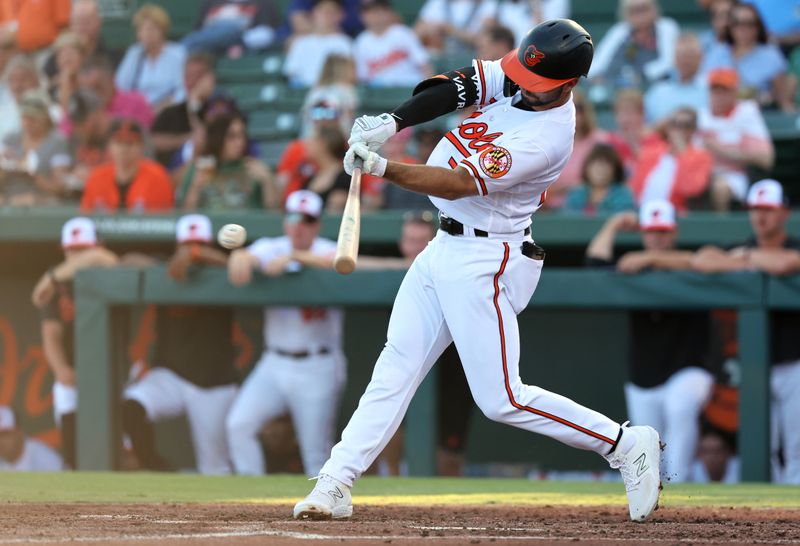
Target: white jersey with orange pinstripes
(514, 155)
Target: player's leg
(786, 394)
(484, 286)
(259, 401)
(416, 337)
(65, 407)
(207, 410)
(156, 396)
(316, 383)
(686, 393)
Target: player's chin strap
(510, 88)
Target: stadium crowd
(151, 129)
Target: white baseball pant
(164, 394)
(309, 389)
(785, 382)
(673, 409)
(467, 290)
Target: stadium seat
(250, 68)
(382, 99)
(272, 124)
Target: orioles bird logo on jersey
(495, 161)
(533, 56)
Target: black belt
(300, 354)
(454, 227)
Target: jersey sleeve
(489, 79)
(264, 250)
(475, 85)
(505, 163)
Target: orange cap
(723, 77)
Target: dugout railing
(104, 299)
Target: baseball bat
(350, 228)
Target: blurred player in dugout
(669, 380)
(53, 296)
(193, 371)
(303, 368)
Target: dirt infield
(168, 524)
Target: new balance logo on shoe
(338, 493)
(641, 465)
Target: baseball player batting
(486, 177)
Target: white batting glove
(373, 131)
(373, 163)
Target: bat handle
(358, 163)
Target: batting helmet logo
(533, 56)
(495, 161)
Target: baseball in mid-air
(231, 236)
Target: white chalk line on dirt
(260, 532)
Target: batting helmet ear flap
(509, 87)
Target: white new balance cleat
(330, 499)
(638, 458)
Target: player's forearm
(427, 105)
(602, 246)
(715, 260)
(783, 262)
(671, 260)
(309, 259)
(436, 181)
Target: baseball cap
(723, 77)
(78, 232)
(127, 130)
(766, 194)
(7, 419)
(193, 228)
(657, 215)
(304, 202)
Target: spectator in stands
(735, 134)
(69, 54)
(153, 66)
(761, 66)
(587, 135)
(452, 25)
(603, 189)
(53, 296)
(782, 21)
(327, 145)
(96, 83)
(308, 53)
(395, 197)
(522, 15)
(773, 251)
(173, 126)
(193, 370)
(671, 167)
(493, 42)
(300, 18)
(335, 89)
(224, 177)
(638, 50)
(377, 193)
(631, 133)
(224, 25)
(19, 453)
(388, 53)
(303, 368)
(34, 162)
(32, 26)
(21, 76)
(686, 86)
(720, 11)
(85, 21)
(130, 181)
(88, 145)
(669, 382)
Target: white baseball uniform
(469, 289)
(302, 372)
(36, 457)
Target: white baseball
(231, 236)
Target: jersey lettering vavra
(514, 155)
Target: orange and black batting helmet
(551, 54)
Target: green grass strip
(91, 487)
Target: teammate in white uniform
(21, 454)
(486, 177)
(302, 370)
